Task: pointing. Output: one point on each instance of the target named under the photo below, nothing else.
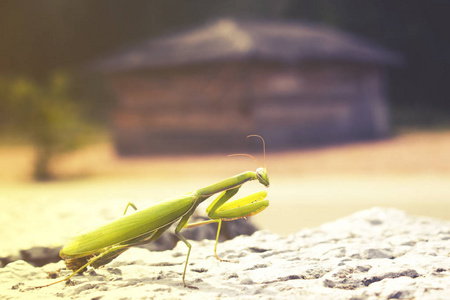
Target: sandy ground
(410, 172)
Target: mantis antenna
(251, 156)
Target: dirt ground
(309, 187)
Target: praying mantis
(99, 246)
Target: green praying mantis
(99, 246)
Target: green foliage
(45, 114)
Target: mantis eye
(263, 178)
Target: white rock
(373, 254)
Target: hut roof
(229, 39)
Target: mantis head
(263, 178)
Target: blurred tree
(45, 114)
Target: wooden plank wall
(212, 107)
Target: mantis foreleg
(221, 210)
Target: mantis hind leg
(108, 258)
(107, 254)
(143, 239)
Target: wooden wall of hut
(182, 110)
(212, 107)
(321, 103)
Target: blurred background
(106, 102)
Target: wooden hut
(206, 88)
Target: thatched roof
(229, 39)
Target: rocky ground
(373, 254)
